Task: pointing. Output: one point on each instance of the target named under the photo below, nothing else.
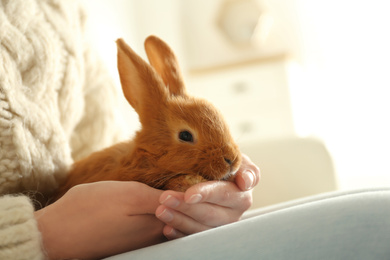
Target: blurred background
(303, 84)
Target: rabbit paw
(183, 182)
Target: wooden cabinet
(253, 97)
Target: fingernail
(194, 199)
(170, 201)
(249, 179)
(166, 215)
(171, 233)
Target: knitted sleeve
(19, 235)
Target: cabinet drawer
(254, 99)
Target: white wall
(343, 95)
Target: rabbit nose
(228, 161)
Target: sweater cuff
(19, 234)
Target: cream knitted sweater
(56, 104)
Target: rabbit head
(182, 134)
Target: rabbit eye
(186, 136)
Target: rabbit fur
(183, 140)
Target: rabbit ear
(141, 85)
(164, 61)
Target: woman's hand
(248, 176)
(100, 219)
(208, 204)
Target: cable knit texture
(19, 235)
(57, 104)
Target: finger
(205, 213)
(171, 233)
(248, 176)
(246, 180)
(179, 221)
(222, 193)
(171, 198)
